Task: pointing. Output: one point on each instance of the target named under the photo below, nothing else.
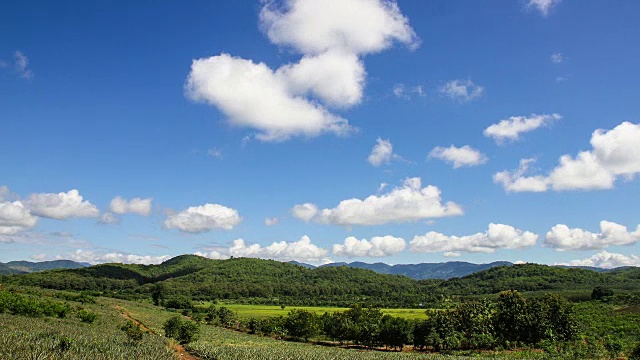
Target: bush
(134, 331)
(635, 354)
(87, 316)
(183, 331)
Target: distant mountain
(308, 266)
(25, 267)
(424, 271)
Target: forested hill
(25, 267)
(267, 281)
(423, 271)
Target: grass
(24, 337)
(263, 311)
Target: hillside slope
(273, 282)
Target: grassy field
(264, 311)
(23, 337)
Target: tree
(600, 292)
(158, 293)
(302, 324)
(510, 320)
(395, 332)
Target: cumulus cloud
(498, 236)
(22, 65)
(301, 250)
(382, 153)
(378, 246)
(304, 212)
(410, 202)
(511, 128)
(459, 156)
(292, 100)
(462, 90)
(543, 6)
(615, 153)
(207, 217)
(212, 255)
(516, 181)
(135, 206)
(271, 221)
(607, 260)
(93, 257)
(561, 237)
(61, 206)
(251, 95)
(108, 218)
(15, 217)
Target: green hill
(273, 282)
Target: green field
(263, 311)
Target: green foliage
(181, 330)
(635, 353)
(302, 324)
(395, 332)
(178, 302)
(613, 345)
(19, 304)
(87, 316)
(600, 292)
(221, 316)
(65, 344)
(158, 294)
(134, 331)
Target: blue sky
(416, 131)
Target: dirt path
(179, 349)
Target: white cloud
(61, 206)
(291, 101)
(207, 217)
(271, 221)
(511, 128)
(607, 260)
(359, 26)
(462, 156)
(382, 153)
(212, 255)
(215, 153)
(498, 236)
(408, 203)
(452, 254)
(108, 218)
(543, 6)
(304, 212)
(5, 194)
(462, 90)
(336, 77)
(136, 206)
(615, 153)
(93, 257)
(561, 237)
(557, 58)
(515, 181)
(22, 65)
(378, 246)
(301, 250)
(404, 92)
(251, 95)
(15, 217)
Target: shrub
(87, 316)
(183, 331)
(134, 331)
(635, 354)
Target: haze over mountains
(26, 267)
